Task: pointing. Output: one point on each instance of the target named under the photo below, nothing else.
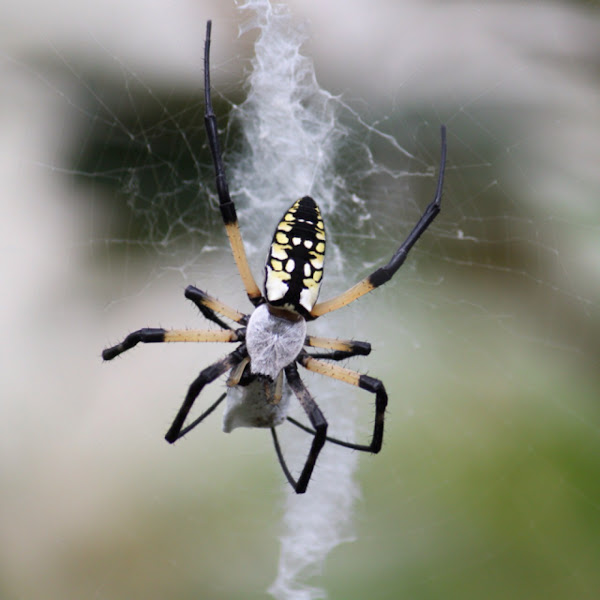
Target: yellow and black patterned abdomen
(294, 268)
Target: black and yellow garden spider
(263, 369)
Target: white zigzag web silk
(290, 125)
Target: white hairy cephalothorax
(273, 342)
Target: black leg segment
(320, 431)
(206, 376)
(146, 336)
(210, 306)
(226, 205)
(384, 274)
(370, 384)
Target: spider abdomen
(294, 267)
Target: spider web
(487, 339)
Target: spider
(263, 369)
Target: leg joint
(379, 277)
(361, 348)
(227, 210)
(371, 384)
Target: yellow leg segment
(222, 309)
(331, 370)
(360, 289)
(329, 343)
(199, 335)
(241, 260)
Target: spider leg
(207, 375)
(237, 373)
(320, 431)
(202, 416)
(370, 384)
(225, 203)
(340, 349)
(156, 335)
(208, 306)
(333, 355)
(384, 274)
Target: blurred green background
(488, 341)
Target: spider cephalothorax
(263, 369)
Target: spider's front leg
(369, 384)
(320, 431)
(208, 375)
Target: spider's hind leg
(385, 273)
(225, 203)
